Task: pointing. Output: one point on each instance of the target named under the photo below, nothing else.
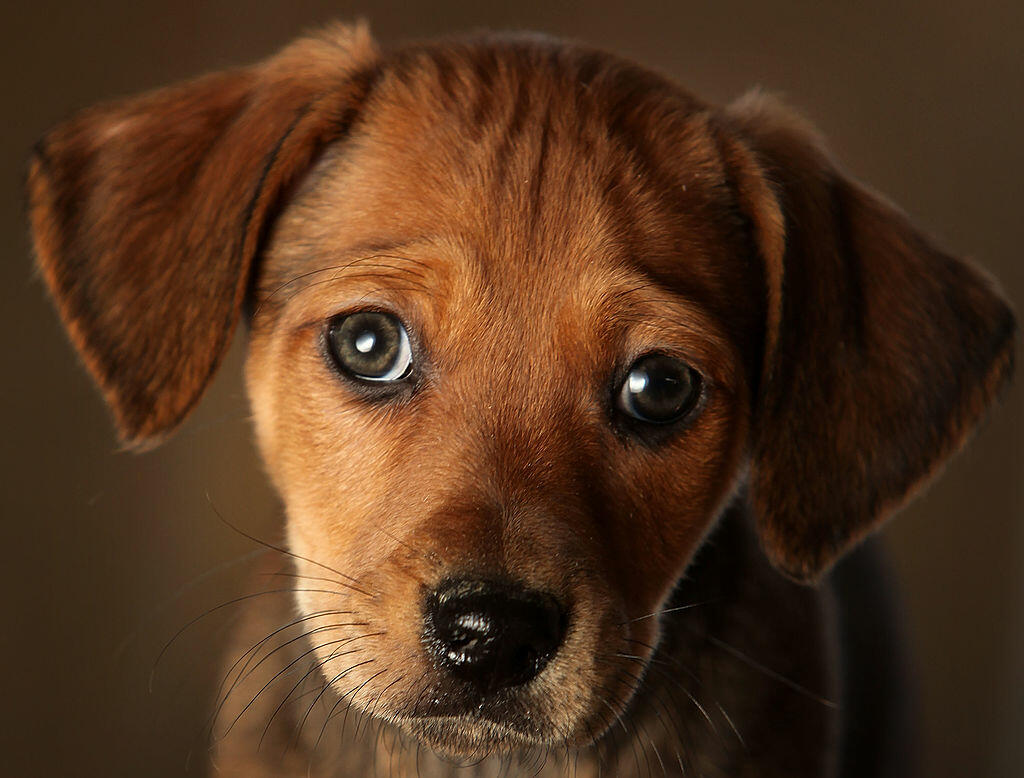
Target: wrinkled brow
(389, 262)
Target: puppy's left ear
(148, 213)
(882, 351)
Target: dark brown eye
(370, 346)
(659, 389)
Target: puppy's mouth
(471, 738)
(474, 666)
(463, 728)
(570, 706)
(509, 669)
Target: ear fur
(883, 351)
(147, 214)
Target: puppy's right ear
(147, 214)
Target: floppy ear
(882, 351)
(147, 214)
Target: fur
(538, 214)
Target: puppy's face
(492, 380)
(524, 316)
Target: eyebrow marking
(414, 283)
(685, 297)
(361, 261)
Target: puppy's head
(523, 319)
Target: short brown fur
(538, 215)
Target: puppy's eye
(659, 389)
(370, 346)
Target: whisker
(286, 552)
(324, 628)
(670, 723)
(250, 654)
(539, 758)
(598, 751)
(283, 671)
(732, 726)
(657, 661)
(666, 611)
(629, 656)
(304, 577)
(659, 665)
(638, 725)
(409, 703)
(373, 709)
(616, 716)
(326, 686)
(337, 643)
(419, 698)
(181, 591)
(348, 708)
(689, 695)
(639, 680)
(201, 616)
(282, 646)
(378, 739)
(657, 753)
(767, 671)
(314, 666)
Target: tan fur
(538, 215)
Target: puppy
(570, 382)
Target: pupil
(658, 389)
(369, 345)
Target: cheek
(323, 448)
(669, 499)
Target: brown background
(106, 554)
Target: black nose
(492, 635)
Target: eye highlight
(659, 389)
(370, 346)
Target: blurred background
(107, 554)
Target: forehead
(530, 167)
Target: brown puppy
(556, 367)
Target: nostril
(492, 635)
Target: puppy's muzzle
(492, 635)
